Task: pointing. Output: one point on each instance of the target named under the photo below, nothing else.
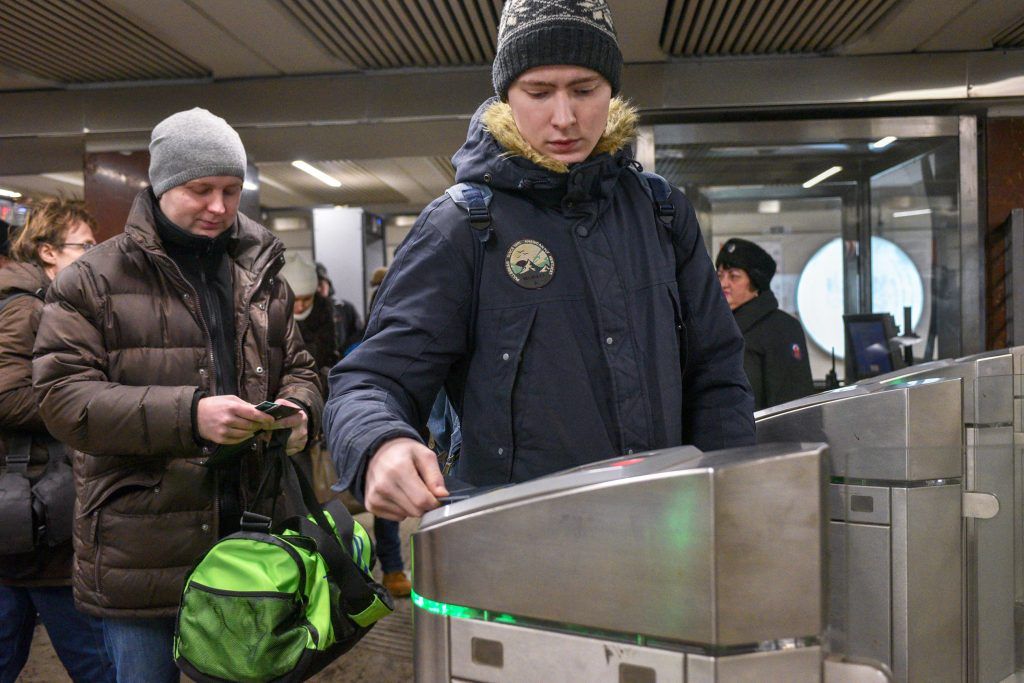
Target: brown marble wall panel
(112, 180)
(1005, 178)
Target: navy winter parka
(628, 345)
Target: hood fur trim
(620, 131)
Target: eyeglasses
(84, 246)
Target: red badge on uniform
(796, 352)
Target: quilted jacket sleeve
(78, 402)
(416, 331)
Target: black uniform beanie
(548, 32)
(746, 255)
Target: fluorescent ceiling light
(9, 193)
(884, 142)
(316, 173)
(249, 185)
(821, 176)
(914, 212)
(769, 206)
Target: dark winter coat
(19, 411)
(775, 356)
(630, 345)
(320, 334)
(122, 350)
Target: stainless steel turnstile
(895, 555)
(872, 611)
(662, 567)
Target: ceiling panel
(699, 28)
(380, 34)
(84, 41)
(1011, 37)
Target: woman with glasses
(38, 581)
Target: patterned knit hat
(548, 32)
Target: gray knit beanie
(193, 144)
(548, 32)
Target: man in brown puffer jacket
(152, 351)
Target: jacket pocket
(680, 325)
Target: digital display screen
(870, 348)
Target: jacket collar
(250, 245)
(758, 308)
(22, 277)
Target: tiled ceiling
(84, 41)
(409, 34)
(754, 27)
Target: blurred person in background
(39, 581)
(348, 324)
(153, 351)
(775, 347)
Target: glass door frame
(856, 196)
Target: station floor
(383, 656)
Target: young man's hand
(229, 420)
(297, 423)
(403, 480)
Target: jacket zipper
(213, 364)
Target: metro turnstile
(990, 477)
(672, 566)
(991, 381)
(895, 556)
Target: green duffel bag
(262, 606)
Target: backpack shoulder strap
(475, 199)
(659, 191)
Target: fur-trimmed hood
(618, 133)
(496, 153)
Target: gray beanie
(193, 144)
(300, 273)
(548, 32)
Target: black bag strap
(19, 450)
(356, 587)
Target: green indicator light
(444, 609)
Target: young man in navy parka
(599, 330)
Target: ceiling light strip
(316, 173)
(822, 176)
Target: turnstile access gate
(672, 566)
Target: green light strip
(446, 610)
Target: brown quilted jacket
(122, 348)
(19, 412)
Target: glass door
(860, 215)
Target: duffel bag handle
(367, 604)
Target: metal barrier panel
(668, 566)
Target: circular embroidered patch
(529, 264)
